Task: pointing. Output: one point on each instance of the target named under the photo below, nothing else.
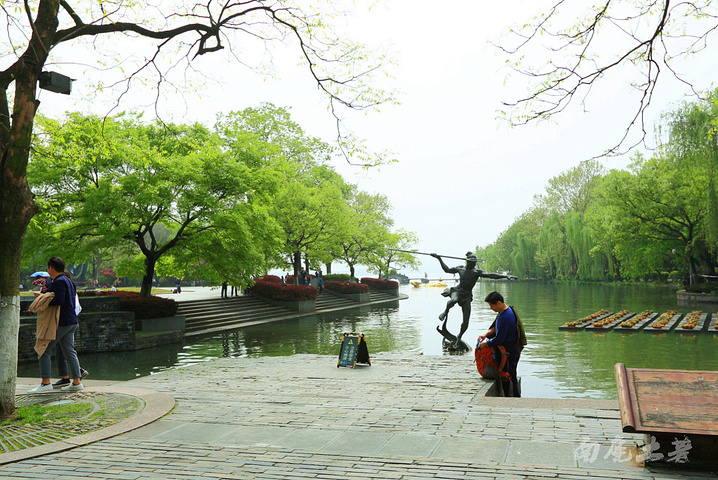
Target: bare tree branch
(649, 37)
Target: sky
(462, 175)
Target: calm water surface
(556, 364)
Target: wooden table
(671, 407)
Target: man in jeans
(65, 292)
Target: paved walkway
(301, 417)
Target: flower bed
(348, 288)
(664, 319)
(632, 321)
(282, 293)
(379, 284)
(143, 308)
(268, 278)
(691, 320)
(357, 292)
(605, 321)
(587, 318)
(289, 279)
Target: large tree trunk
(16, 209)
(297, 266)
(17, 206)
(328, 267)
(146, 288)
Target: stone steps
(208, 316)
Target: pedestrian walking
(57, 326)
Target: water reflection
(555, 363)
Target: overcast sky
(462, 175)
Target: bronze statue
(461, 294)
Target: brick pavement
(300, 417)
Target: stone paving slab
(300, 417)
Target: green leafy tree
(647, 213)
(176, 34)
(310, 209)
(151, 189)
(515, 250)
(386, 259)
(369, 228)
(692, 131)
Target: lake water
(556, 364)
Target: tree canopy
(652, 220)
(118, 183)
(135, 44)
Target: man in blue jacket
(504, 331)
(65, 292)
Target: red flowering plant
(344, 287)
(380, 284)
(268, 278)
(152, 307)
(277, 291)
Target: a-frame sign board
(353, 350)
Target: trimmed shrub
(344, 287)
(379, 284)
(143, 308)
(289, 279)
(268, 278)
(339, 277)
(283, 293)
(704, 287)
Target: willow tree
(692, 141)
(169, 35)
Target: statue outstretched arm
(443, 265)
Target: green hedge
(704, 287)
(283, 293)
(143, 308)
(344, 287)
(380, 284)
(338, 277)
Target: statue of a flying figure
(461, 294)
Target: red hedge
(344, 287)
(379, 284)
(289, 279)
(269, 278)
(283, 293)
(152, 307)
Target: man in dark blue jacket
(504, 331)
(65, 294)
